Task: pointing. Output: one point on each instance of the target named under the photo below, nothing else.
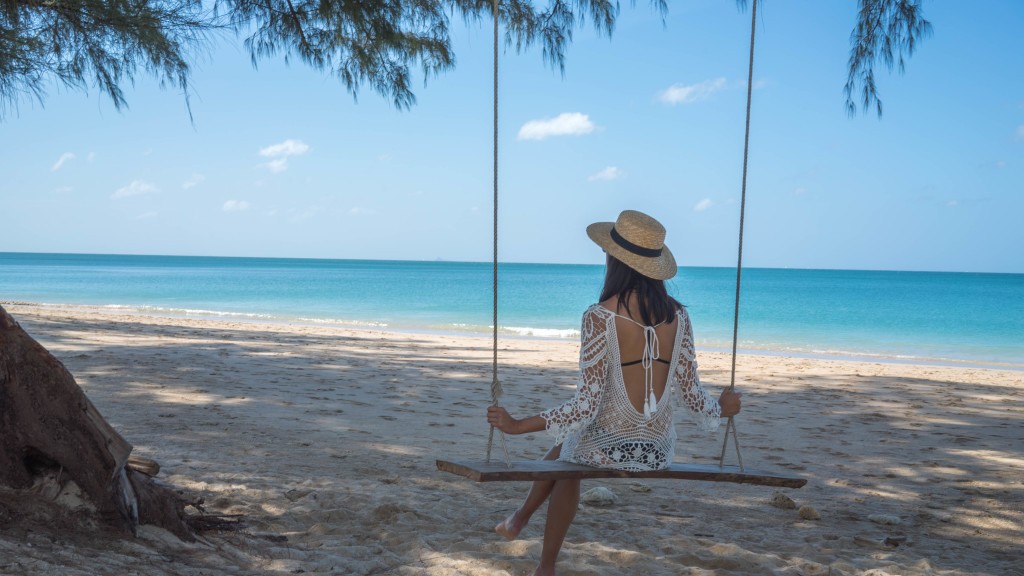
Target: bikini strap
(662, 360)
(634, 321)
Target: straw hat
(638, 241)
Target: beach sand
(324, 439)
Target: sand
(324, 439)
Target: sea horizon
(959, 318)
(490, 263)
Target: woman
(635, 342)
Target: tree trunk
(47, 421)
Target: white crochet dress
(600, 427)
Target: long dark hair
(656, 306)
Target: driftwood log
(46, 422)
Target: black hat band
(633, 248)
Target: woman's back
(632, 339)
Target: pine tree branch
(886, 30)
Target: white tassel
(652, 350)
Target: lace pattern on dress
(704, 410)
(571, 417)
(599, 426)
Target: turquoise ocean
(906, 316)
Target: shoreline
(268, 319)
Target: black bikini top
(662, 360)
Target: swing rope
(731, 424)
(496, 390)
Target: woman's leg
(539, 492)
(562, 506)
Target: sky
(281, 161)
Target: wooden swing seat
(530, 470)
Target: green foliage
(105, 43)
(888, 30)
(375, 41)
(94, 42)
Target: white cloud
(951, 203)
(1020, 133)
(279, 165)
(60, 162)
(703, 204)
(800, 192)
(609, 173)
(281, 152)
(90, 157)
(680, 94)
(286, 148)
(235, 206)
(63, 189)
(136, 188)
(1000, 164)
(567, 124)
(195, 180)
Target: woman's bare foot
(510, 527)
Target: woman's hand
(502, 420)
(730, 403)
